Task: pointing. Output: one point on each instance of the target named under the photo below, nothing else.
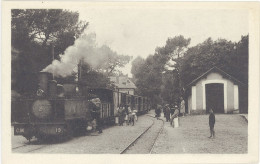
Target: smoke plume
(84, 48)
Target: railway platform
(191, 137)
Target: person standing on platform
(172, 109)
(158, 111)
(182, 107)
(211, 123)
(132, 117)
(95, 112)
(175, 114)
(124, 114)
(121, 116)
(135, 114)
(164, 111)
(167, 112)
(129, 114)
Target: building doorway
(215, 97)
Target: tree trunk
(47, 36)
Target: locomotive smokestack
(43, 79)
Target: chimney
(43, 79)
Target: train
(57, 110)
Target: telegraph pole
(52, 53)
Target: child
(211, 123)
(129, 115)
(135, 114)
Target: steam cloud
(84, 48)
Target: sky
(138, 31)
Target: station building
(218, 90)
(123, 84)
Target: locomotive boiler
(54, 110)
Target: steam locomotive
(63, 110)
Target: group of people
(169, 113)
(126, 115)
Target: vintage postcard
(166, 82)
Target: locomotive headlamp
(40, 92)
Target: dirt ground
(192, 136)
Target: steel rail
(133, 142)
(18, 146)
(31, 150)
(157, 134)
(36, 148)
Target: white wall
(231, 97)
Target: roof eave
(217, 70)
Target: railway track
(17, 147)
(141, 144)
(157, 136)
(27, 148)
(132, 144)
(25, 144)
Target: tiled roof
(122, 82)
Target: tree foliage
(158, 76)
(136, 64)
(226, 55)
(33, 32)
(92, 78)
(147, 77)
(46, 26)
(166, 74)
(111, 60)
